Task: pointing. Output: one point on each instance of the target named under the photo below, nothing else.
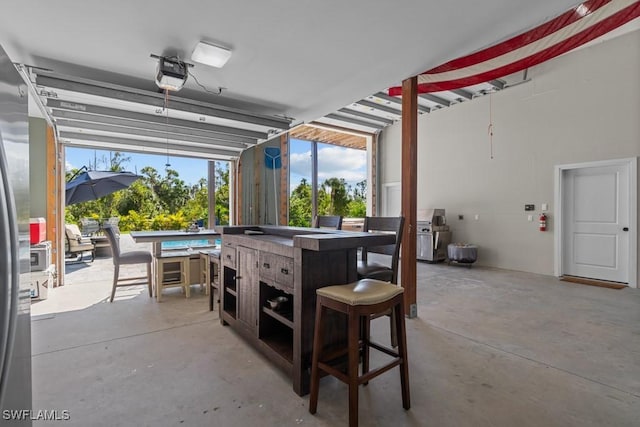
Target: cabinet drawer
(229, 256)
(268, 265)
(284, 272)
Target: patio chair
(114, 220)
(374, 270)
(76, 243)
(127, 258)
(89, 226)
(327, 221)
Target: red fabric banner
(568, 31)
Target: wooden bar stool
(172, 269)
(359, 300)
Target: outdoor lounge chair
(76, 244)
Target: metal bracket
(413, 311)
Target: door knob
(625, 229)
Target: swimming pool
(177, 244)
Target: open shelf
(285, 318)
(231, 312)
(281, 342)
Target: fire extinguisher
(543, 222)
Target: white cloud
(342, 162)
(68, 166)
(333, 161)
(300, 163)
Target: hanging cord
(166, 107)
(215, 92)
(490, 128)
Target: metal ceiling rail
(159, 134)
(366, 116)
(73, 116)
(145, 146)
(354, 121)
(463, 93)
(497, 83)
(380, 107)
(217, 131)
(435, 99)
(123, 93)
(393, 105)
(144, 150)
(396, 100)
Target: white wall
(583, 106)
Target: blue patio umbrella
(92, 185)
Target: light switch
(477, 217)
(544, 207)
(530, 218)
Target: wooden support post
(55, 177)
(284, 180)
(409, 192)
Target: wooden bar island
(262, 263)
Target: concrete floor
(489, 348)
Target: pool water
(177, 244)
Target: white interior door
(392, 200)
(595, 222)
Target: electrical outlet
(460, 217)
(545, 207)
(530, 218)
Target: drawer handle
(228, 256)
(284, 271)
(266, 265)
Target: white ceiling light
(208, 54)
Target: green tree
(172, 193)
(357, 207)
(338, 193)
(300, 205)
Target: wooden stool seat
(362, 292)
(359, 301)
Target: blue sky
(190, 170)
(333, 161)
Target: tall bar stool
(359, 301)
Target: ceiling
(294, 61)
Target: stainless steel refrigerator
(15, 298)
